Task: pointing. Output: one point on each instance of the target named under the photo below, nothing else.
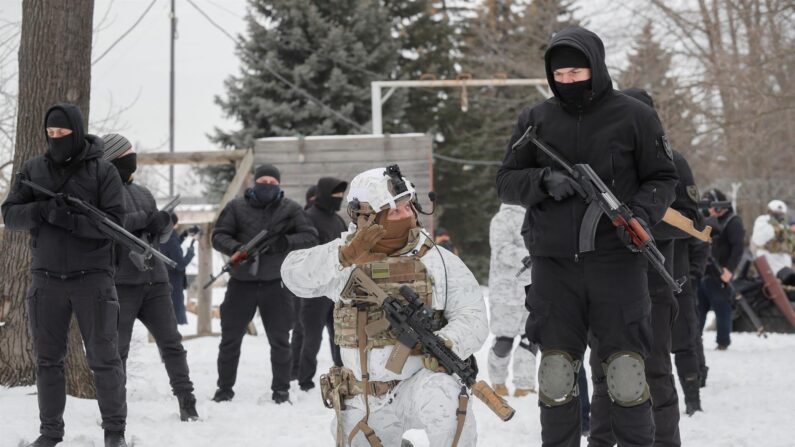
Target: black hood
(639, 94)
(78, 136)
(589, 44)
(327, 186)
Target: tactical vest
(784, 239)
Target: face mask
(126, 165)
(62, 150)
(397, 235)
(573, 93)
(265, 193)
(329, 203)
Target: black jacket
(618, 136)
(728, 240)
(56, 250)
(328, 223)
(244, 217)
(139, 206)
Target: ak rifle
(139, 249)
(601, 201)
(245, 254)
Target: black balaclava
(265, 193)
(573, 93)
(324, 198)
(65, 150)
(126, 166)
(115, 147)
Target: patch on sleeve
(692, 192)
(666, 146)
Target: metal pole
(171, 99)
(375, 107)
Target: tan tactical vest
(784, 239)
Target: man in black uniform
(258, 284)
(72, 270)
(727, 249)
(659, 371)
(317, 313)
(144, 290)
(604, 291)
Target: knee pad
(502, 346)
(557, 378)
(525, 343)
(625, 373)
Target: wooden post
(205, 296)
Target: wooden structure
(302, 161)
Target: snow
(749, 401)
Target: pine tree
(331, 50)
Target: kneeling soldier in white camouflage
(380, 394)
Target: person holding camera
(176, 275)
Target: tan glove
(432, 363)
(357, 251)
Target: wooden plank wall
(302, 161)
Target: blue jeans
(714, 294)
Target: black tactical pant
(607, 294)
(316, 314)
(659, 376)
(275, 305)
(151, 303)
(296, 338)
(92, 299)
(685, 340)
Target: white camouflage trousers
(509, 321)
(426, 401)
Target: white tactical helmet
(777, 206)
(380, 188)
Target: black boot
(281, 397)
(187, 407)
(691, 387)
(115, 439)
(45, 441)
(223, 395)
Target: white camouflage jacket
(317, 271)
(507, 252)
(763, 233)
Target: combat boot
(115, 439)
(187, 407)
(45, 441)
(691, 388)
(223, 395)
(281, 397)
(501, 389)
(521, 392)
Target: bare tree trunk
(54, 66)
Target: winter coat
(618, 136)
(244, 217)
(317, 272)
(56, 250)
(139, 206)
(763, 233)
(328, 223)
(173, 249)
(507, 252)
(728, 236)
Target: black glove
(56, 212)
(157, 222)
(560, 185)
(279, 245)
(626, 238)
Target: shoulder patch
(666, 146)
(692, 192)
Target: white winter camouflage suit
(422, 400)
(507, 296)
(763, 233)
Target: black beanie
(58, 118)
(565, 57)
(715, 195)
(267, 169)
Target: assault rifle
(140, 251)
(527, 262)
(172, 204)
(602, 201)
(245, 254)
(718, 205)
(715, 270)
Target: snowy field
(749, 401)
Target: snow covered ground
(749, 401)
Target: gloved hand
(560, 185)
(432, 363)
(357, 251)
(56, 212)
(626, 238)
(157, 221)
(238, 257)
(190, 251)
(279, 245)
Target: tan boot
(501, 389)
(521, 392)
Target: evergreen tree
(331, 50)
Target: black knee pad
(502, 346)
